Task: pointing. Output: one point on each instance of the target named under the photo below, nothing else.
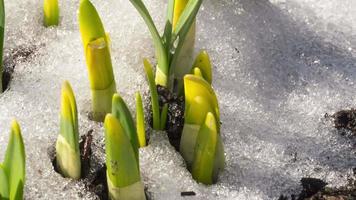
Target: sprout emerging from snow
(12, 170)
(50, 13)
(174, 48)
(123, 172)
(2, 28)
(140, 121)
(67, 146)
(200, 145)
(122, 113)
(98, 59)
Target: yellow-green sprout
(140, 121)
(200, 99)
(205, 151)
(122, 113)
(98, 59)
(50, 12)
(67, 146)
(2, 28)
(12, 170)
(202, 62)
(123, 173)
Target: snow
(279, 66)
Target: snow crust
(279, 66)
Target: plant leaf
(122, 113)
(2, 28)
(154, 94)
(202, 61)
(121, 162)
(69, 116)
(90, 25)
(140, 121)
(14, 163)
(199, 91)
(163, 118)
(50, 12)
(187, 18)
(161, 51)
(167, 35)
(204, 153)
(4, 189)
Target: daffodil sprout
(140, 121)
(50, 12)
(2, 29)
(122, 113)
(67, 146)
(123, 172)
(12, 170)
(201, 145)
(174, 48)
(98, 59)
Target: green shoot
(154, 94)
(12, 170)
(122, 113)
(50, 12)
(123, 173)
(140, 121)
(67, 146)
(98, 59)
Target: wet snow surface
(279, 66)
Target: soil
(315, 189)
(345, 120)
(175, 118)
(20, 54)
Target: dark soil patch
(175, 118)
(18, 55)
(345, 120)
(314, 189)
(85, 154)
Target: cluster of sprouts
(200, 145)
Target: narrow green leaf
(50, 12)
(205, 148)
(167, 35)
(163, 118)
(2, 28)
(154, 94)
(161, 51)
(121, 162)
(184, 34)
(122, 113)
(140, 121)
(187, 18)
(4, 189)
(14, 164)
